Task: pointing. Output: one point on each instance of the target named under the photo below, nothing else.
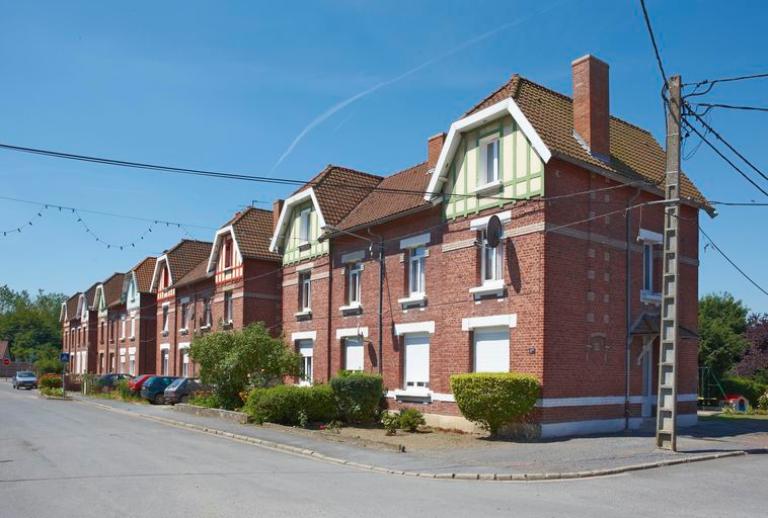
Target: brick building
(521, 256)
(137, 331)
(112, 353)
(184, 289)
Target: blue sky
(229, 86)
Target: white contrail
(346, 102)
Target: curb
(518, 477)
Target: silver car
(25, 379)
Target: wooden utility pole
(666, 419)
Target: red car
(136, 383)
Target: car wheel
(159, 399)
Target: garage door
(491, 349)
(416, 360)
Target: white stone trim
(304, 267)
(434, 396)
(588, 427)
(287, 208)
(560, 402)
(304, 335)
(353, 257)
(131, 350)
(498, 110)
(481, 223)
(649, 236)
(470, 323)
(420, 298)
(213, 257)
(351, 331)
(489, 288)
(414, 241)
(183, 345)
(415, 327)
(165, 347)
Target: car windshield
(176, 383)
(25, 374)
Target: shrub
(291, 404)
(749, 388)
(410, 419)
(52, 391)
(762, 401)
(358, 396)
(391, 422)
(49, 381)
(124, 391)
(48, 366)
(495, 399)
(204, 400)
(233, 361)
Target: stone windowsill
(490, 288)
(488, 187)
(413, 300)
(352, 308)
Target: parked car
(152, 389)
(111, 379)
(182, 389)
(25, 379)
(136, 383)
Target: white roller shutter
(416, 360)
(353, 354)
(491, 349)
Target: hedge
(50, 381)
(749, 388)
(358, 396)
(291, 404)
(493, 400)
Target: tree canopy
(754, 362)
(30, 324)
(722, 323)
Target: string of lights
(28, 223)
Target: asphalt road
(67, 459)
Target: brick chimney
(277, 208)
(591, 112)
(434, 146)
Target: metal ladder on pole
(666, 420)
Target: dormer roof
(181, 259)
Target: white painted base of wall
(595, 426)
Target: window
(416, 271)
(165, 277)
(132, 364)
(184, 315)
(491, 260)
(305, 348)
(305, 291)
(103, 332)
(489, 161)
(185, 363)
(207, 312)
(647, 267)
(353, 353)
(353, 283)
(165, 319)
(491, 349)
(228, 307)
(304, 222)
(164, 361)
(112, 362)
(122, 363)
(416, 361)
(133, 327)
(228, 253)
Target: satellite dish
(493, 231)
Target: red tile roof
(113, 289)
(253, 231)
(187, 254)
(143, 272)
(196, 274)
(339, 190)
(72, 306)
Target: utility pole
(666, 419)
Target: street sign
(6, 361)
(64, 357)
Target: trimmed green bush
(762, 402)
(52, 391)
(749, 388)
(49, 381)
(358, 396)
(291, 404)
(410, 419)
(391, 422)
(493, 400)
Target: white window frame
(165, 361)
(305, 221)
(354, 273)
(122, 327)
(185, 362)
(184, 315)
(360, 343)
(229, 306)
(133, 327)
(417, 281)
(307, 361)
(166, 317)
(416, 385)
(484, 179)
(498, 255)
(132, 364)
(305, 291)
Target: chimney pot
(434, 146)
(591, 110)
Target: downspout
(329, 347)
(628, 310)
(381, 300)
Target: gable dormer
(101, 302)
(490, 158)
(130, 296)
(299, 228)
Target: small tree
(232, 361)
(722, 322)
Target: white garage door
(353, 354)
(416, 360)
(492, 349)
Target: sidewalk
(566, 458)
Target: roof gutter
(383, 220)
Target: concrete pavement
(64, 459)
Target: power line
(710, 83)
(709, 106)
(742, 272)
(653, 42)
(739, 203)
